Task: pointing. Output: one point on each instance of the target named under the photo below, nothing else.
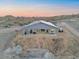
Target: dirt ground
(61, 44)
(56, 44)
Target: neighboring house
(40, 26)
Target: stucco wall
(39, 26)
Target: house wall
(36, 27)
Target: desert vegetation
(9, 20)
(65, 44)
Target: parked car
(60, 29)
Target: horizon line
(38, 16)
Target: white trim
(41, 21)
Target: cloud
(37, 10)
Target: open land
(64, 46)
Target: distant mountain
(9, 20)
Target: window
(47, 31)
(34, 32)
(42, 30)
(31, 31)
(25, 33)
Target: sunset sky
(38, 7)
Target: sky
(38, 7)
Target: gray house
(38, 27)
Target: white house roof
(41, 21)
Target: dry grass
(53, 44)
(62, 44)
